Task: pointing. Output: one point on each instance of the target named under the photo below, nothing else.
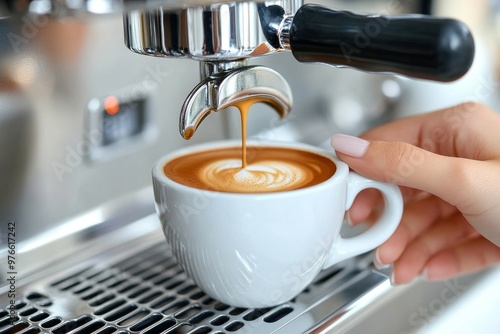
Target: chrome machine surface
(82, 120)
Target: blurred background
(65, 160)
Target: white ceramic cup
(260, 250)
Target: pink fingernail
(350, 145)
(376, 260)
(349, 220)
(393, 279)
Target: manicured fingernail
(349, 220)
(376, 260)
(393, 279)
(349, 145)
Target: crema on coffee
(268, 169)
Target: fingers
(453, 157)
(442, 235)
(469, 257)
(417, 217)
(371, 199)
(452, 179)
(363, 205)
(438, 248)
(445, 131)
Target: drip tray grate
(149, 293)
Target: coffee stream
(251, 169)
(244, 106)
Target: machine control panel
(116, 125)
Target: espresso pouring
(251, 169)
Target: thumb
(407, 165)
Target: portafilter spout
(228, 88)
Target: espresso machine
(82, 120)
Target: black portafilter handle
(417, 46)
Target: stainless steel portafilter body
(79, 8)
(220, 32)
(221, 36)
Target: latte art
(269, 169)
(267, 175)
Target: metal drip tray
(138, 288)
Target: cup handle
(379, 232)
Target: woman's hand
(448, 166)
